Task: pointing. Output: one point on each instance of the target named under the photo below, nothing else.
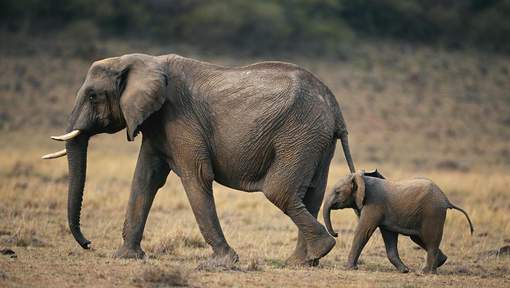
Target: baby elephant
(416, 208)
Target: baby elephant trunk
(327, 215)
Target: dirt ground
(410, 112)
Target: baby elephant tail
(465, 214)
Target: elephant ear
(375, 173)
(142, 83)
(359, 188)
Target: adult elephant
(269, 127)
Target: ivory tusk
(67, 136)
(55, 155)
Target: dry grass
(32, 211)
(419, 112)
(158, 277)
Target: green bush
(269, 26)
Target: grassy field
(411, 112)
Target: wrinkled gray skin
(269, 127)
(415, 208)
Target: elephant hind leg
(200, 196)
(299, 256)
(391, 242)
(441, 257)
(431, 234)
(287, 187)
(312, 201)
(312, 204)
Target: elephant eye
(92, 96)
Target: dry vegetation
(411, 111)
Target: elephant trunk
(327, 215)
(347, 152)
(77, 162)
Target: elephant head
(117, 93)
(348, 192)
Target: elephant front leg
(150, 174)
(364, 230)
(200, 196)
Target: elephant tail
(341, 133)
(451, 206)
(347, 152)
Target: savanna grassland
(411, 111)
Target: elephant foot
(300, 261)
(129, 253)
(220, 261)
(441, 259)
(350, 266)
(403, 269)
(427, 270)
(321, 246)
(298, 258)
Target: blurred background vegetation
(422, 83)
(268, 27)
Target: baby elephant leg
(431, 234)
(430, 264)
(390, 242)
(441, 257)
(366, 226)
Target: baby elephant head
(349, 192)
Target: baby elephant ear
(375, 173)
(142, 83)
(359, 187)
